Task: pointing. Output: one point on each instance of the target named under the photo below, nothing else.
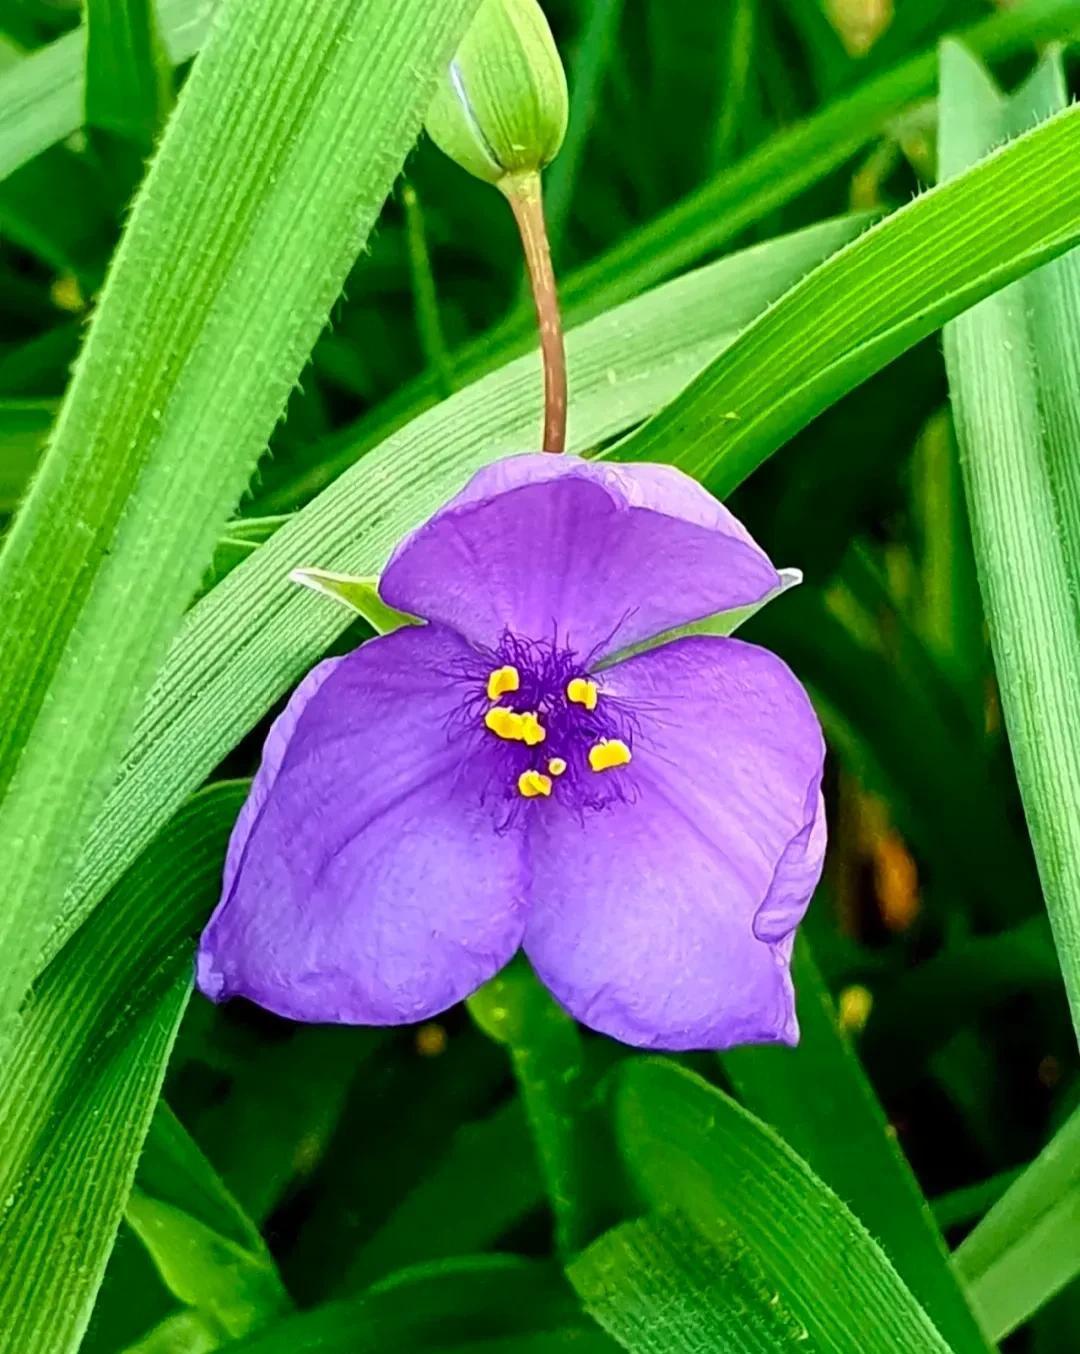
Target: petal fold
(666, 920)
(597, 554)
(366, 881)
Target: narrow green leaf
(206, 1249)
(256, 633)
(735, 82)
(659, 1287)
(897, 283)
(360, 595)
(440, 1306)
(74, 1122)
(546, 1051)
(970, 1202)
(1015, 379)
(792, 160)
(486, 1183)
(23, 428)
(1027, 1248)
(691, 1148)
(429, 326)
(949, 612)
(214, 300)
(722, 623)
(43, 97)
(242, 536)
(181, 1333)
(588, 65)
(819, 1099)
(285, 1101)
(128, 75)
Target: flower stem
(526, 201)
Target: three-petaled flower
(649, 829)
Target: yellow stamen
(505, 723)
(608, 753)
(533, 783)
(532, 731)
(502, 681)
(582, 691)
(557, 765)
(515, 728)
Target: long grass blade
(1013, 371)
(229, 266)
(73, 1125)
(1025, 1250)
(899, 282)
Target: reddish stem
(526, 202)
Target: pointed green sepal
(358, 594)
(721, 623)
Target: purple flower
(649, 829)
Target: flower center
(547, 725)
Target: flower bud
(501, 106)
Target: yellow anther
(515, 728)
(556, 765)
(533, 783)
(504, 722)
(502, 681)
(532, 731)
(582, 691)
(609, 752)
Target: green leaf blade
(659, 1287)
(547, 1055)
(128, 77)
(896, 284)
(455, 1305)
(360, 595)
(73, 1124)
(1026, 1248)
(207, 1250)
(793, 159)
(819, 1099)
(690, 1148)
(1022, 484)
(213, 302)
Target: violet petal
(366, 881)
(666, 920)
(598, 554)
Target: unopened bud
(501, 106)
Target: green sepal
(720, 623)
(358, 594)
